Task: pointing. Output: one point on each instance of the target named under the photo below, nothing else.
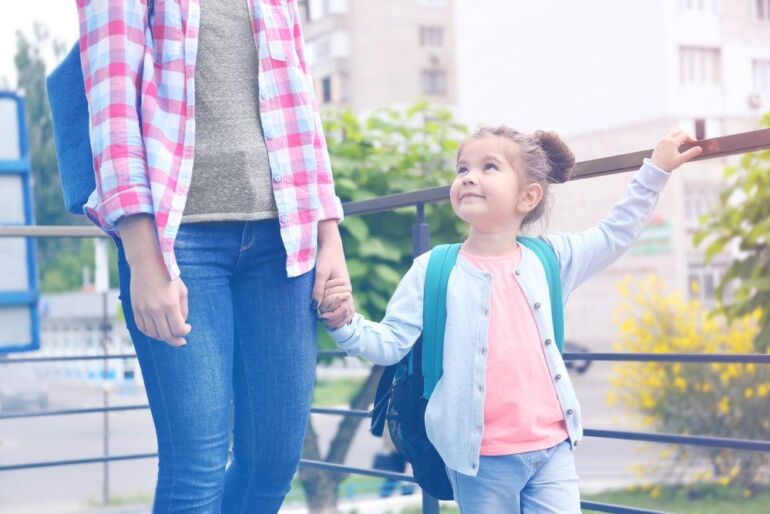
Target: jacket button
(547, 342)
(537, 305)
(569, 412)
(557, 377)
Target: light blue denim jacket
(454, 417)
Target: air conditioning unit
(755, 100)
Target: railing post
(420, 245)
(420, 233)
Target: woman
(214, 179)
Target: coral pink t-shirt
(521, 409)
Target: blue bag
(69, 114)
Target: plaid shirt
(139, 70)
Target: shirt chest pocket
(279, 30)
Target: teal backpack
(405, 388)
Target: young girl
(504, 416)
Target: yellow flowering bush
(713, 399)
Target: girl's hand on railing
(667, 156)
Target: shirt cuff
(652, 177)
(344, 333)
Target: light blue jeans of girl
(537, 482)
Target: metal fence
(716, 147)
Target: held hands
(667, 156)
(337, 307)
(332, 294)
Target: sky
(59, 16)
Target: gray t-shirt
(231, 171)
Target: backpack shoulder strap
(442, 260)
(550, 263)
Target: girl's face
(487, 192)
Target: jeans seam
(168, 423)
(253, 438)
(241, 247)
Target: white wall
(574, 67)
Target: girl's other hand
(667, 156)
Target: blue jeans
(252, 350)
(542, 481)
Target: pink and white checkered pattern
(139, 73)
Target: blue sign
(19, 318)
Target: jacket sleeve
(387, 342)
(583, 254)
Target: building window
(711, 6)
(703, 281)
(760, 9)
(317, 9)
(433, 82)
(762, 76)
(304, 9)
(699, 200)
(431, 37)
(699, 65)
(326, 90)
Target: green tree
(742, 220)
(60, 260)
(386, 153)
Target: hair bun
(560, 157)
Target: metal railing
(716, 147)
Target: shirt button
(547, 342)
(517, 272)
(473, 466)
(483, 351)
(481, 389)
(569, 412)
(575, 443)
(284, 220)
(557, 377)
(537, 305)
(277, 178)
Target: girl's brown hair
(543, 158)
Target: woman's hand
(667, 156)
(332, 278)
(159, 303)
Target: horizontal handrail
(693, 440)
(712, 148)
(734, 358)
